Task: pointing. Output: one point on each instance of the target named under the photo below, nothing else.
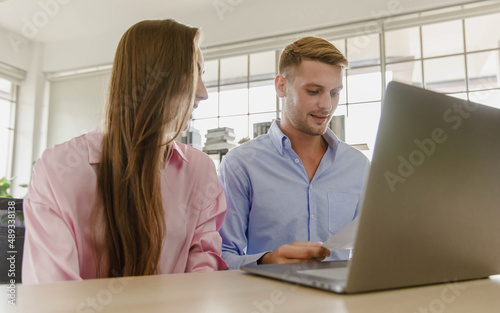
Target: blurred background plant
(244, 139)
(4, 188)
(5, 193)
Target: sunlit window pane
(238, 123)
(211, 75)
(259, 118)
(209, 107)
(364, 84)
(363, 50)
(488, 97)
(262, 96)
(204, 125)
(341, 110)
(406, 72)
(5, 133)
(233, 70)
(483, 70)
(233, 100)
(461, 95)
(445, 74)
(362, 125)
(442, 38)
(402, 44)
(483, 32)
(262, 65)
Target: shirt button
(297, 160)
(312, 216)
(311, 186)
(287, 141)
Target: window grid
(421, 55)
(382, 65)
(248, 82)
(465, 59)
(7, 142)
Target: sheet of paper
(344, 239)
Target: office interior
(56, 56)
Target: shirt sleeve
(205, 249)
(48, 255)
(235, 183)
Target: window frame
(374, 28)
(11, 128)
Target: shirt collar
(180, 149)
(277, 136)
(279, 139)
(94, 144)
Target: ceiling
(61, 20)
(52, 21)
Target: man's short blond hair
(309, 48)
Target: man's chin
(315, 132)
(318, 129)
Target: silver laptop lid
(431, 211)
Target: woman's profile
(126, 199)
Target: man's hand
(296, 252)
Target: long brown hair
(151, 96)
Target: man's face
(311, 97)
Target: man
(299, 184)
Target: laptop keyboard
(337, 273)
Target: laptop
(431, 207)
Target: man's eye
(312, 92)
(334, 93)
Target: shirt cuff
(236, 261)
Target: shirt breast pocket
(341, 209)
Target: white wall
(15, 50)
(80, 53)
(73, 109)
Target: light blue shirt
(271, 202)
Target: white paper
(344, 239)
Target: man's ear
(280, 86)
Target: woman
(126, 199)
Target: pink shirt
(58, 208)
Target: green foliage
(4, 188)
(4, 193)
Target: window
(363, 90)
(457, 57)
(455, 53)
(240, 94)
(7, 110)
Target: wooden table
(236, 291)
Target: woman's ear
(280, 86)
